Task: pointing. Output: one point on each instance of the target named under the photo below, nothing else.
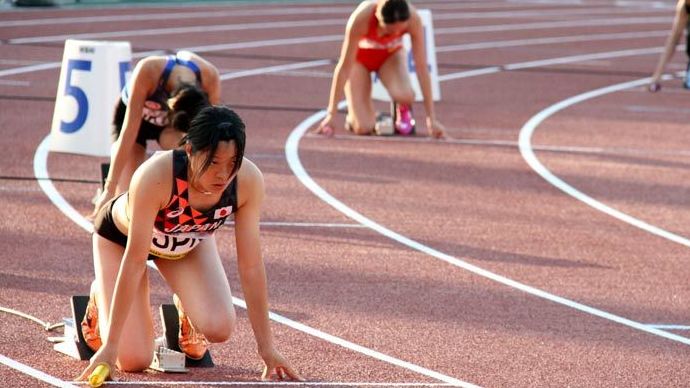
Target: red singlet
(373, 50)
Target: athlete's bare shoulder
(250, 183)
(155, 176)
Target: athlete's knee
(362, 127)
(134, 361)
(404, 96)
(220, 329)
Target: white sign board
(91, 78)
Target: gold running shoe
(191, 342)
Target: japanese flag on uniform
(222, 212)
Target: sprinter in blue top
(146, 108)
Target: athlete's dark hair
(210, 126)
(394, 11)
(189, 100)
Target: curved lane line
(528, 154)
(41, 173)
(292, 155)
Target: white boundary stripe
(549, 62)
(552, 25)
(547, 14)
(532, 160)
(330, 22)
(265, 43)
(292, 155)
(27, 370)
(55, 65)
(274, 69)
(584, 57)
(180, 30)
(286, 11)
(509, 143)
(40, 169)
(276, 384)
(550, 40)
(670, 327)
(174, 15)
(309, 224)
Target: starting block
(384, 124)
(171, 327)
(166, 358)
(105, 168)
(73, 343)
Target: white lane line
(584, 57)
(337, 22)
(550, 40)
(181, 30)
(549, 62)
(618, 151)
(55, 65)
(292, 155)
(528, 154)
(274, 69)
(265, 43)
(285, 11)
(670, 327)
(27, 370)
(553, 25)
(174, 16)
(41, 170)
(307, 224)
(547, 14)
(14, 83)
(657, 109)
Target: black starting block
(171, 327)
(73, 343)
(105, 168)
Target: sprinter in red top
(373, 42)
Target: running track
(545, 245)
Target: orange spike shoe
(89, 325)
(191, 342)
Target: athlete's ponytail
(189, 99)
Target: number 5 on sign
(92, 75)
(78, 94)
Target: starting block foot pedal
(168, 361)
(171, 327)
(73, 343)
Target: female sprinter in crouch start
(373, 43)
(175, 203)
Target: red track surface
(476, 201)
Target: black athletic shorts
(104, 226)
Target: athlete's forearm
(337, 87)
(254, 286)
(425, 85)
(127, 284)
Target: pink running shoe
(404, 123)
